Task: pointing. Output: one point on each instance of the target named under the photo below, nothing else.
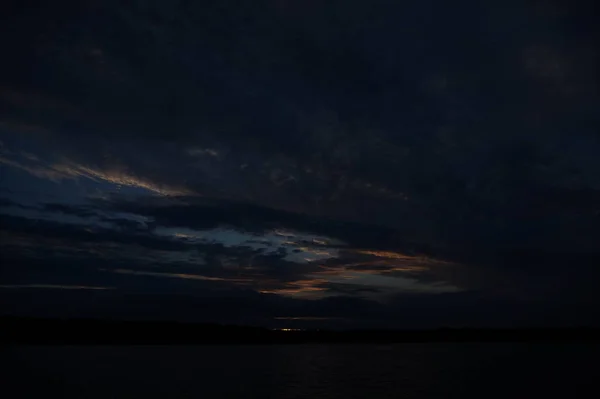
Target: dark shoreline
(17, 330)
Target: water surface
(305, 371)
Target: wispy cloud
(299, 247)
(56, 286)
(42, 172)
(179, 275)
(203, 151)
(309, 288)
(119, 177)
(72, 171)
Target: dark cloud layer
(303, 153)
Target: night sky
(333, 163)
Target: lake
(441, 370)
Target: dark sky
(341, 163)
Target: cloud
(310, 288)
(118, 177)
(285, 261)
(41, 172)
(178, 275)
(114, 175)
(317, 159)
(275, 252)
(52, 286)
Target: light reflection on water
(303, 371)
